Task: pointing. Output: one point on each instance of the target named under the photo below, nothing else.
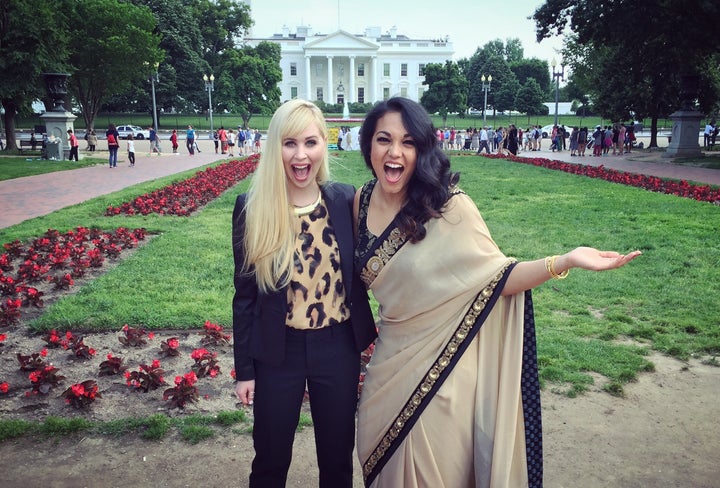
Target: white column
(374, 81)
(329, 98)
(308, 84)
(351, 97)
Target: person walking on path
(92, 140)
(301, 316)
(174, 141)
(154, 141)
(223, 136)
(131, 150)
(113, 141)
(190, 140)
(230, 142)
(73, 141)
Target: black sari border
(437, 374)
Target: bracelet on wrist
(550, 267)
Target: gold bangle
(550, 267)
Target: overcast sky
(469, 24)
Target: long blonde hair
(269, 231)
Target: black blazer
(259, 318)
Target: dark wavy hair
(429, 186)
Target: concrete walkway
(33, 196)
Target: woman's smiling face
(393, 154)
(302, 157)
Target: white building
(364, 68)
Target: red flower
(4, 387)
(78, 390)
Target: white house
(364, 68)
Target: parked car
(547, 131)
(137, 132)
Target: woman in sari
(451, 395)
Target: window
(421, 92)
(293, 69)
(403, 69)
(386, 93)
(341, 69)
(361, 69)
(403, 92)
(386, 69)
(341, 99)
(318, 69)
(421, 69)
(319, 95)
(361, 95)
(293, 92)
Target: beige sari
(444, 402)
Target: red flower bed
(56, 259)
(185, 197)
(702, 193)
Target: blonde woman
(300, 316)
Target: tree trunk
(9, 119)
(653, 131)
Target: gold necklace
(308, 208)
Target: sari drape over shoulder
(451, 397)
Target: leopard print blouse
(316, 295)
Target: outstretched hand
(594, 260)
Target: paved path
(33, 196)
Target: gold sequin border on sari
(383, 254)
(433, 374)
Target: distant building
(363, 68)
(564, 108)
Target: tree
(180, 86)
(447, 89)
(651, 46)
(494, 59)
(32, 41)
(248, 81)
(532, 68)
(529, 99)
(112, 50)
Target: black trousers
(327, 361)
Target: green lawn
(665, 300)
(12, 167)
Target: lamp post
(485, 87)
(557, 75)
(210, 86)
(155, 77)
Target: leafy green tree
(447, 89)
(529, 99)
(494, 59)
(532, 68)
(248, 81)
(112, 50)
(32, 41)
(193, 49)
(638, 58)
